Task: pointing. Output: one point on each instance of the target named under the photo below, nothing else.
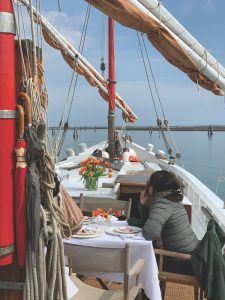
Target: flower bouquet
(106, 216)
(90, 171)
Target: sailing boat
(190, 60)
(197, 195)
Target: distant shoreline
(151, 128)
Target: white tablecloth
(139, 247)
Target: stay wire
(26, 43)
(146, 72)
(80, 49)
(20, 44)
(159, 123)
(103, 46)
(73, 73)
(160, 103)
(153, 77)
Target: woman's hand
(143, 198)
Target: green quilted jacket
(208, 262)
(169, 220)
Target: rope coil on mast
(45, 271)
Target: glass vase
(91, 183)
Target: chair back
(88, 204)
(96, 259)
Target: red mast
(112, 88)
(7, 129)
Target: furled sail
(165, 17)
(131, 13)
(78, 63)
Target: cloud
(66, 25)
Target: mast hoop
(7, 23)
(8, 114)
(4, 251)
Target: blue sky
(183, 102)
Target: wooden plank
(130, 189)
(12, 273)
(130, 180)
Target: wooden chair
(88, 204)
(165, 277)
(111, 260)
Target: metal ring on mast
(8, 114)
(7, 23)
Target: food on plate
(85, 232)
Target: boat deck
(173, 291)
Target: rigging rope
(33, 40)
(159, 122)
(102, 66)
(26, 40)
(20, 45)
(45, 270)
(58, 141)
(165, 121)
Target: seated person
(163, 216)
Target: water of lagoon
(202, 155)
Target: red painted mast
(7, 129)
(112, 89)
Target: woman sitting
(163, 215)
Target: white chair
(111, 260)
(88, 204)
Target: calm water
(201, 155)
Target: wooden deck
(173, 291)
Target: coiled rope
(45, 271)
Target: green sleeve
(159, 213)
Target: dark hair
(161, 181)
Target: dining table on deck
(139, 247)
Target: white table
(140, 248)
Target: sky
(183, 102)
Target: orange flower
(90, 174)
(110, 175)
(110, 170)
(94, 213)
(109, 210)
(107, 164)
(106, 216)
(84, 162)
(117, 213)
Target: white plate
(85, 232)
(95, 234)
(127, 229)
(114, 230)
